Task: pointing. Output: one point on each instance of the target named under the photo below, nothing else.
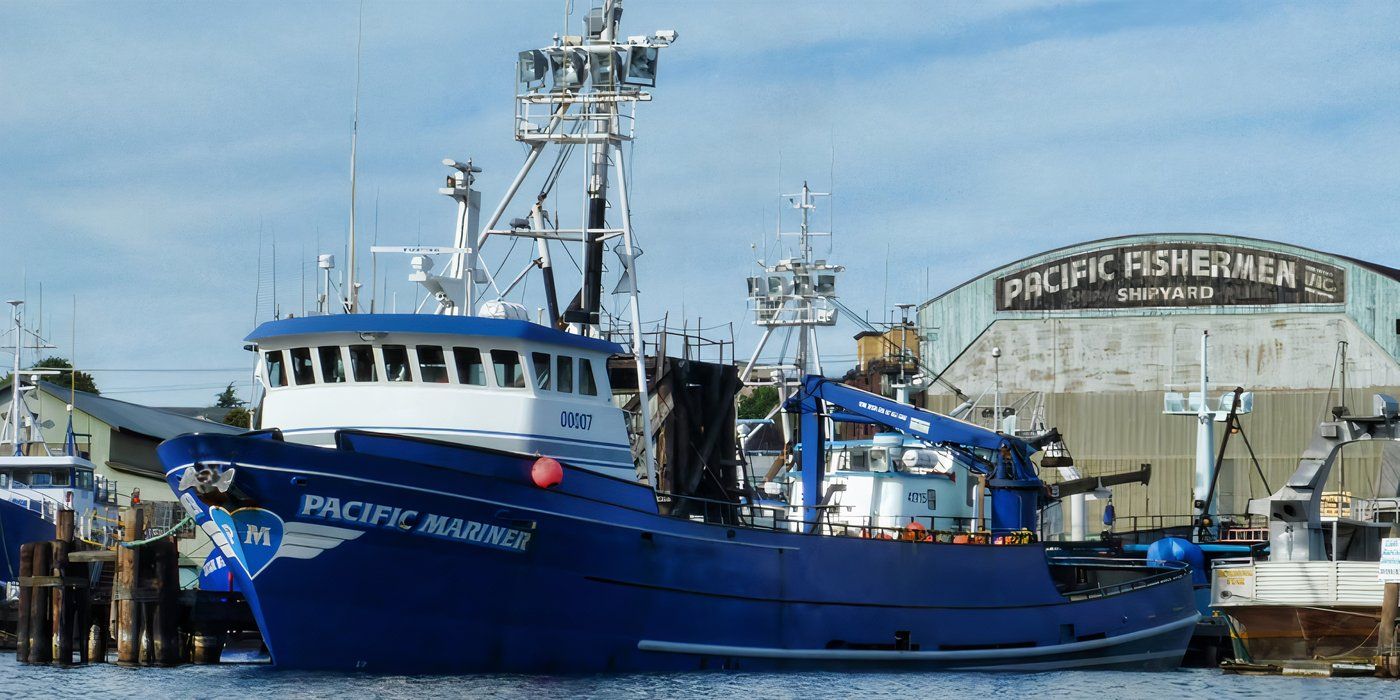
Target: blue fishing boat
(467, 490)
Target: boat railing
(778, 517)
(34, 499)
(1144, 529)
(1376, 510)
(1167, 571)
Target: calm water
(263, 682)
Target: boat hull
(19, 525)
(1278, 633)
(400, 555)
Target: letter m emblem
(258, 535)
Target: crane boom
(1016, 488)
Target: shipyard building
(1094, 336)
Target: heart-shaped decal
(254, 536)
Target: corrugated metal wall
(1119, 431)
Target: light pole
(996, 395)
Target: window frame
(374, 363)
(319, 359)
(486, 377)
(543, 382)
(310, 365)
(564, 367)
(442, 356)
(384, 363)
(499, 377)
(592, 378)
(267, 369)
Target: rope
(132, 545)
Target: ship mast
(352, 288)
(595, 81)
(796, 295)
(14, 379)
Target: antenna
(373, 258)
(352, 295)
(276, 313)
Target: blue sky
(143, 146)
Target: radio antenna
(351, 289)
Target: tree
(237, 417)
(228, 398)
(82, 381)
(758, 403)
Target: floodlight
(803, 284)
(569, 67)
(639, 68)
(665, 36)
(530, 68)
(603, 69)
(826, 285)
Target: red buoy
(546, 472)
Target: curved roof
(430, 324)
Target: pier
(80, 603)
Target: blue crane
(1004, 459)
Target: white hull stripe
(508, 442)
(894, 655)
(498, 504)
(464, 431)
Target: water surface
(260, 681)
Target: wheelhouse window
(396, 367)
(469, 366)
(332, 365)
(40, 479)
(432, 364)
(302, 371)
(362, 364)
(276, 368)
(541, 362)
(564, 374)
(60, 478)
(509, 373)
(587, 385)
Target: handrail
(1170, 571)
(742, 514)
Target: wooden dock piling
(40, 606)
(128, 618)
(62, 605)
(26, 572)
(96, 645)
(63, 598)
(1387, 656)
(165, 645)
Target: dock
(80, 603)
